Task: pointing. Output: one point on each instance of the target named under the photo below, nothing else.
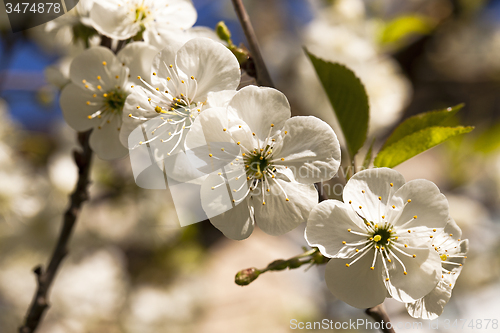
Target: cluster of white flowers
(255, 163)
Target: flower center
(381, 236)
(114, 100)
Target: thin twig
(379, 314)
(39, 304)
(263, 77)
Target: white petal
(220, 98)
(138, 57)
(431, 305)
(279, 216)
(212, 65)
(75, 109)
(112, 21)
(327, 228)
(427, 203)
(310, 148)
(453, 229)
(89, 64)
(375, 183)
(217, 191)
(165, 75)
(260, 107)
(424, 272)
(237, 223)
(177, 15)
(105, 142)
(357, 285)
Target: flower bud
(223, 31)
(246, 276)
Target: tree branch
(39, 304)
(263, 77)
(379, 314)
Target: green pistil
(115, 100)
(258, 164)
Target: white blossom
(379, 238)
(97, 92)
(270, 162)
(185, 80)
(122, 20)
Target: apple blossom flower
(122, 20)
(185, 80)
(99, 86)
(452, 251)
(380, 238)
(268, 160)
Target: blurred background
(133, 269)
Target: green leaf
(421, 121)
(348, 98)
(368, 157)
(416, 143)
(399, 29)
(489, 141)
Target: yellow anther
(431, 236)
(170, 66)
(409, 231)
(409, 200)
(346, 265)
(243, 154)
(393, 207)
(168, 78)
(360, 207)
(253, 133)
(389, 260)
(382, 248)
(210, 155)
(451, 235)
(443, 257)
(86, 86)
(286, 132)
(95, 95)
(362, 191)
(415, 216)
(224, 129)
(88, 102)
(377, 238)
(149, 99)
(380, 198)
(130, 115)
(349, 230)
(282, 158)
(406, 245)
(287, 199)
(117, 77)
(104, 95)
(434, 230)
(377, 247)
(350, 202)
(344, 242)
(104, 63)
(238, 143)
(222, 149)
(272, 125)
(414, 256)
(131, 86)
(182, 81)
(192, 77)
(357, 250)
(98, 77)
(263, 202)
(372, 268)
(138, 107)
(391, 184)
(99, 87)
(387, 279)
(405, 273)
(383, 216)
(157, 89)
(84, 81)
